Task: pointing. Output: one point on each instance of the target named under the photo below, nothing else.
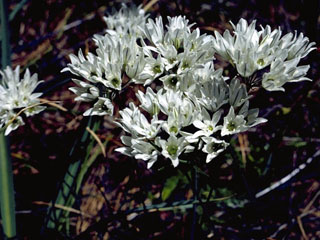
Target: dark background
(44, 33)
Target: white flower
(250, 50)
(237, 93)
(283, 72)
(127, 20)
(85, 92)
(169, 100)
(213, 147)
(233, 123)
(127, 149)
(149, 101)
(112, 76)
(135, 67)
(135, 123)
(139, 149)
(250, 115)
(102, 107)
(177, 29)
(86, 67)
(213, 94)
(173, 123)
(17, 94)
(145, 151)
(207, 124)
(154, 31)
(152, 70)
(172, 148)
(14, 121)
(117, 54)
(207, 73)
(299, 47)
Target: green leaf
(169, 186)
(285, 110)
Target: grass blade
(17, 9)
(72, 180)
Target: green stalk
(6, 191)
(7, 202)
(5, 41)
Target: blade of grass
(72, 180)
(65, 189)
(87, 164)
(7, 202)
(16, 9)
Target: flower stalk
(7, 202)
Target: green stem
(5, 41)
(6, 190)
(7, 202)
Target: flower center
(173, 81)
(231, 126)
(172, 149)
(172, 60)
(185, 65)
(156, 69)
(261, 62)
(214, 147)
(173, 129)
(115, 82)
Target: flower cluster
(276, 56)
(194, 107)
(15, 95)
(184, 122)
(118, 57)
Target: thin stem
(7, 202)
(195, 215)
(5, 41)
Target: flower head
(17, 94)
(250, 51)
(213, 147)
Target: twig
(98, 141)
(186, 204)
(68, 209)
(304, 235)
(149, 5)
(243, 141)
(42, 101)
(53, 104)
(305, 212)
(307, 208)
(288, 177)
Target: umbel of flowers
(194, 107)
(15, 95)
